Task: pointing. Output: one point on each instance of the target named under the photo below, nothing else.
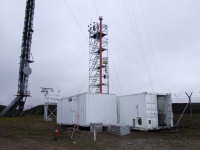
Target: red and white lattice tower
(98, 57)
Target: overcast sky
(154, 46)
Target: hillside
(179, 107)
(2, 107)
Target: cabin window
(139, 121)
(149, 121)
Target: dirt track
(32, 133)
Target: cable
(135, 70)
(150, 43)
(75, 18)
(97, 12)
(127, 56)
(77, 90)
(117, 91)
(66, 64)
(82, 85)
(80, 29)
(116, 74)
(142, 49)
(140, 45)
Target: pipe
(100, 18)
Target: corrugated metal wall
(131, 107)
(101, 108)
(151, 111)
(138, 110)
(141, 110)
(88, 108)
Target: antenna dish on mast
(27, 70)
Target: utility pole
(189, 97)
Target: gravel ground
(32, 133)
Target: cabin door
(75, 111)
(162, 110)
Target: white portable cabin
(146, 111)
(87, 108)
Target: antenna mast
(25, 59)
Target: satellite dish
(27, 70)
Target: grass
(31, 132)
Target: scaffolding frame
(98, 48)
(51, 98)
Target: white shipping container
(87, 108)
(146, 111)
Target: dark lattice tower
(25, 60)
(98, 58)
